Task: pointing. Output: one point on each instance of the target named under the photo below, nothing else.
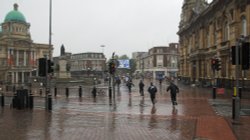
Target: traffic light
(245, 55)
(112, 67)
(217, 64)
(50, 66)
(42, 67)
(213, 64)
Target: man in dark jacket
(173, 90)
(152, 91)
(94, 92)
(129, 85)
(141, 87)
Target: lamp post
(103, 46)
(50, 28)
(48, 100)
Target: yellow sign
(235, 91)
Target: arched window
(243, 26)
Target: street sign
(220, 90)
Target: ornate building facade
(18, 53)
(209, 31)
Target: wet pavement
(126, 117)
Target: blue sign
(124, 63)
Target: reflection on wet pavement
(127, 117)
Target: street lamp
(103, 46)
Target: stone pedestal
(63, 72)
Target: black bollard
(2, 100)
(26, 98)
(67, 92)
(14, 101)
(49, 102)
(80, 91)
(240, 91)
(110, 92)
(233, 107)
(55, 91)
(31, 101)
(214, 92)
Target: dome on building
(15, 15)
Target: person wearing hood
(173, 90)
(152, 91)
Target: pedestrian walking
(141, 88)
(173, 90)
(129, 85)
(94, 92)
(152, 91)
(118, 82)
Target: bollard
(2, 100)
(110, 92)
(26, 98)
(49, 102)
(14, 101)
(67, 92)
(233, 107)
(214, 92)
(80, 91)
(240, 95)
(31, 101)
(240, 91)
(55, 91)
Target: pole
(50, 28)
(214, 86)
(110, 88)
(236, 99)
(46, 84)
(47, 80)
(113, 81)
(113, 75)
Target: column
(16, 77)
(12, 77)
(25, 59)
(17, 57)
(22, 77)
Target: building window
(159, 60)
(159, 51)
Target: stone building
(158, 62)
(209, 31)
(87, 64)
(18, 53)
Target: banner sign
(124, 63)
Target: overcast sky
(123, 26)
